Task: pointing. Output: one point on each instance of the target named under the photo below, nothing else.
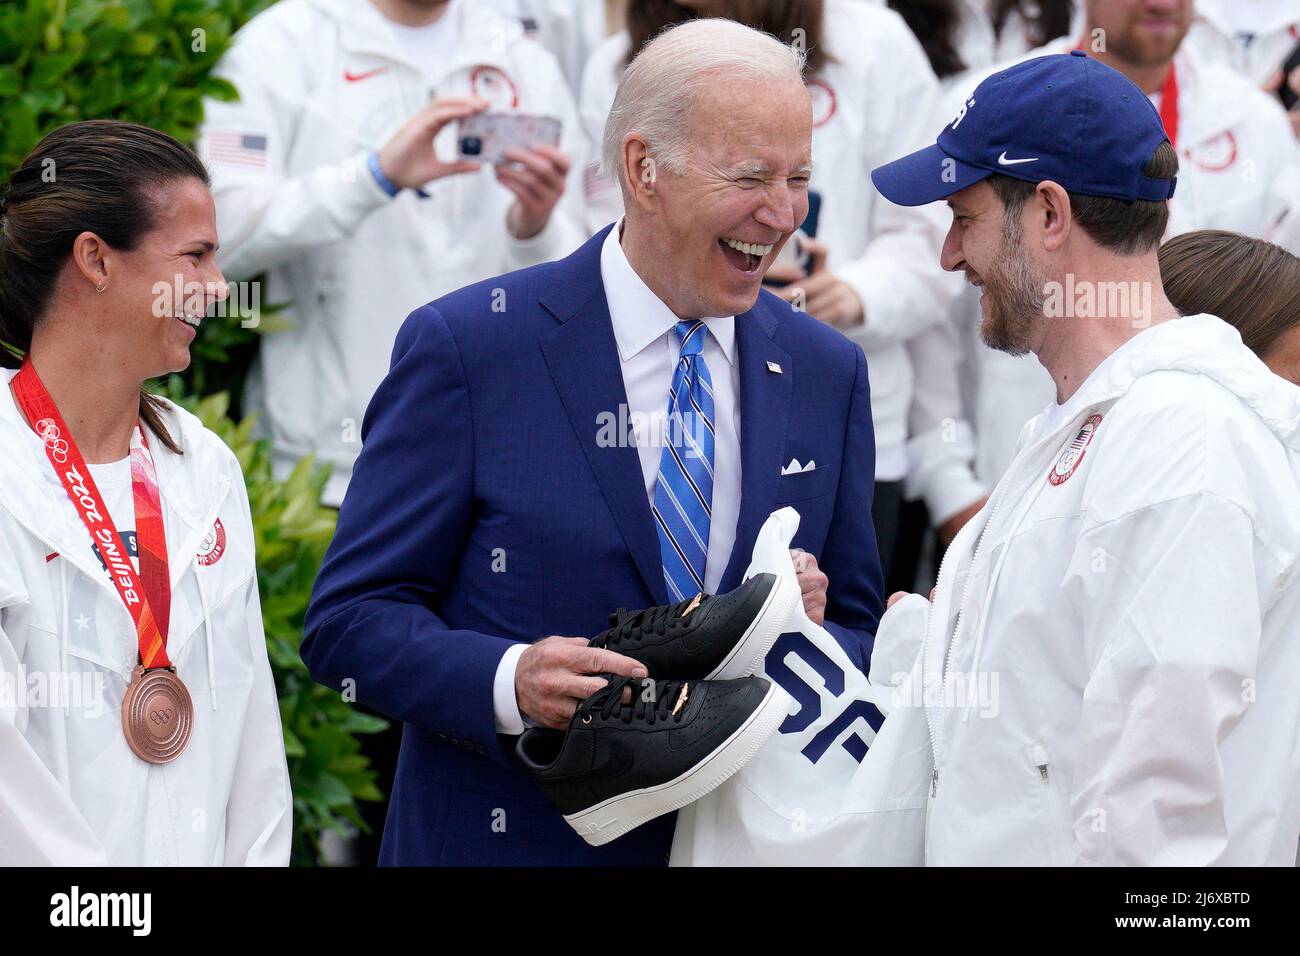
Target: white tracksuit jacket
(71, 792)
(1118, 641)
(872, 103)
(1214, 35)
(941, 442)
(323, 84)
(1239, 169)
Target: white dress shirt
(648, 351)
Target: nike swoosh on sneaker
(1003, 161)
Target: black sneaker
(707, 637)
(620, 764)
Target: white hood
(1203, 345)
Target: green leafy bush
(148, 61)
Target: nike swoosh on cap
(1003, 161)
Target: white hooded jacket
(1110, 662)
(1218, 33)
(71, 791)
(324, 83)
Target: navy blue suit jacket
(486, 508)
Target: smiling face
(160, 290)
(719, 223)
(987, 246)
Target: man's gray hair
(657, 90)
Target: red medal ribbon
(1169, 106)
(148, 602)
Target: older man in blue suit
(512, 490)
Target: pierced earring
(101, 287)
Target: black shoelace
(652, 620)
(609, 700)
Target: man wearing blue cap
(1107, 665)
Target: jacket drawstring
(63, 631)
(993, 581)
(207, 637)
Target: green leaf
(50, 68)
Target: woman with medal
(138, 717)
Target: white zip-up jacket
(1214, 34)
(323, 84)
(1239, 169)
(1110, 661)
(941, 441)
(71, 791)
(874, 101)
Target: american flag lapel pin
(774, 367)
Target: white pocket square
(795, 468)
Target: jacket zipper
(961, 607)
(952, 640)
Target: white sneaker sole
(610, 820)
(767, 626)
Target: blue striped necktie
(683, 500)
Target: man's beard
(1015, 296)
(1149, 51)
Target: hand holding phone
(409, 159)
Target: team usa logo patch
(213, 545)
(1069, 461)
(1215, 155)
(822, 95)
(494, 85)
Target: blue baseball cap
(1066, 118)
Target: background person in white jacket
(960, 38)
(1109, 663)
(941, 490)
(82, 257)
(874, 278)
(1253, 37)
(334, 174)
(986, 32)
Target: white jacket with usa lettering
(71, 791)
(1110, 661)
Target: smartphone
(485, 137)
(794, 253)
(1284, 92)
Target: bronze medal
(157, 714)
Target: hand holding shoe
(555, 673)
